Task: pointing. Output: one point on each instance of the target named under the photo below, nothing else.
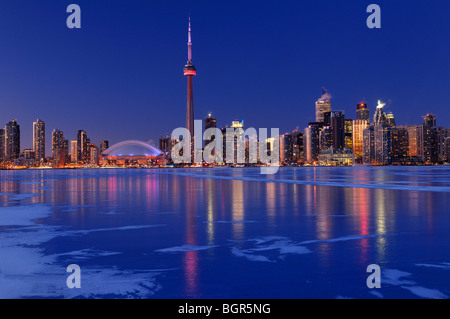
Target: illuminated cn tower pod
(190, 72)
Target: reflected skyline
(211, 224)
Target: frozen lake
(226, 233)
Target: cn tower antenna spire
(189, 42)
(190, 72)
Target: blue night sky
(121, 75)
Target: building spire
(189, 42)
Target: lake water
(225, 233)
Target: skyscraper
(12, 141)
(379, 118)
(338, 125)
(383, 150)
(58, 149)
(369, 145)
(286, 148)
(415, 140)
(39, 140)
(323, 105)
(311, 142)
(399, 138)
(190, 72)
(362, 112)
(358, 130)
(82, 147)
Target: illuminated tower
(39, 139)
(190, 72)
(323, 105)
(362, 112)
(379, 117)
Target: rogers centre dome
(133, 151)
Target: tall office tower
(74, 151)
(390, 119)
(379, 117)
(369, 145)
(383, 150)
(2, 145)
(12, 141)
(362, 112)
(82, 147)
(358, 132)
(326, 138)
(429, 120)
(94, 155)
(39, 140)
(348, 134)
(286, 148)
(338, 125)
(104, 145)
(210, 122)
(323, 105)
(190, 72)
(399, 140)
(58, 150)
(311, 142)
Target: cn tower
(190, 72)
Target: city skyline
(286, 115)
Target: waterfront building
(379, 118)
(12, 141)
(369, 145)
(382, 138)
(58, 148)
(336, 157)
(338, 126)
(39, 140)
(311, 139)
(399, 138)
(358, 130)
